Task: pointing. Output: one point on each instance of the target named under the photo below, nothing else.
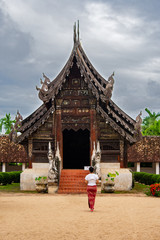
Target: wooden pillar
(93, 128)
(157, 167)
(121, 153)
(3, 167)
(30, 148)
(138, 168)
(23, 166)
(125, 157)
(58, 129)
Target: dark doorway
(76, 149)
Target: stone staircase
(72, 181)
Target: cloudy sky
(36, 36)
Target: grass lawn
(15, 187)
(138, 188)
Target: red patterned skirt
(91, 190)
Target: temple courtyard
(42, 216)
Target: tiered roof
(145, 150)
(113, 115)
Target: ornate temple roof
(101, 89)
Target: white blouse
(91, 178)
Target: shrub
(155, 189)
(9, 177)
(146, 178)
(1, 178)
(16, 176)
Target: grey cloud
(37, 38)
(153, 89)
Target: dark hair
(91, 169)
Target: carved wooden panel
(41, 145)
(45, 131)
(40, 158)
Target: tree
(6, 122)
(151, 124)
(153, 129)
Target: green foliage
(146, 178)
(112, 176)
(153, 129)
(40, 178)
(9, 177)
(151, 124)
(6, 122)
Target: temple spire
(76, 32)
(78, 29)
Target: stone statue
(109, 87)
(138, 127)
(98, 160)
(93, 155)
(53, 171)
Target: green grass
(138, 188)
(13, 188)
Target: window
(130, 164)
(146, 164)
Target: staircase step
(72, 181)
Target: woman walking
(91, 179)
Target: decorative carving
(44, 88)
(18, 122)
(76, 126)
(76, 82)
(96, 158)
(121, 150)
(109, 87)
(30, 147)
(116, 127)
(93, 155)
(66, 102)
(15, 127)
(137, 127)
(53, 169)
(13, 134)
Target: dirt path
(49, 217)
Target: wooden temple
(76, 114)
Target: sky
(36, 37)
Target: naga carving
(53, 168)
(109, 87)
(96, 158)
(44, 88)
(15, 127)
(18, 119)
(137, 127)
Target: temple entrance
(76, 149)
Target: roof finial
(74, 32)
(78, 29)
